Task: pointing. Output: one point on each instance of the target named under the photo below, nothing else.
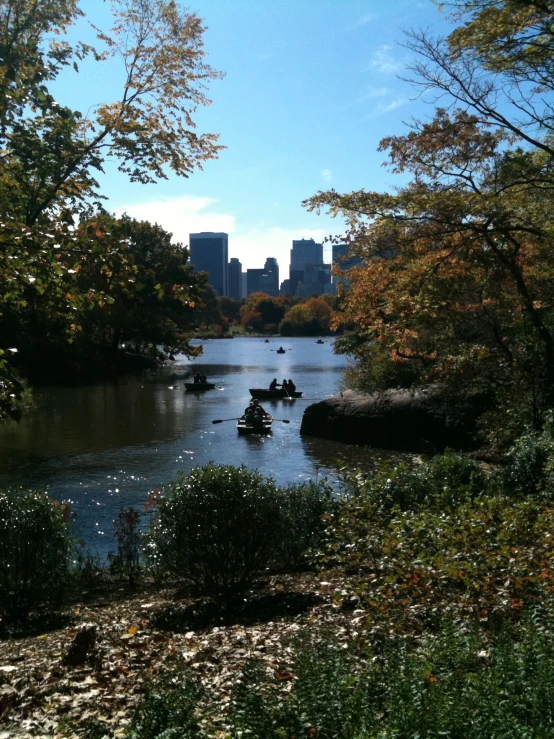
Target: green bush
(444, 481)
(529, 464)
(303, 520)
(217, 526)
(35, 551)
(441, 541)
(168, 711)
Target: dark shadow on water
(261, 608)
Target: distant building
(304, 252)
(264, 280)
(244, 291)
(235, 279)
(209, 253)
(254, 281)
(271, 280)
(285, 288)
(345, 261)
(316, 281)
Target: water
(105, 446)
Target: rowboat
(258, 392)
(245, 428)
(281, 350)
(319, 341)
(197, 386)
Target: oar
(221, 420)
(285, 388)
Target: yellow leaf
(133, 630)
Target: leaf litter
(151, 634)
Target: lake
(106, 445)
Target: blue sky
(310, 88)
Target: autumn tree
(262, 312)
(50, 153)
(456, 281)
(309, 318)
(54, 151)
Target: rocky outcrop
(423, 420)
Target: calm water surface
(104, 446)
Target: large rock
(417, 421)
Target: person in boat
(254, 414)
(291, 387)
(197, 377)
(249, 413)
(273, 384)
(285, 386)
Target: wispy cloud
(181, 215)
(364, 20)
(327, 175)
(383, 107)
(376, 92)
(384, 62)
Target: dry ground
(150, 633)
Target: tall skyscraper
(271, 280)
(209, 253)
(235, 279)
(254, 281)
(304, 252)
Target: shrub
(442, 541)
(303, 520)
(35, 551)
(168, 711)
(126, 561)
(444, 481)
(529, 463)
(218, 526)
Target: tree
(150, 295)
(262, 311)
(456, 279)
(309, 318)
(50, 153)
(230, 308)
(150, 127)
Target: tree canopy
(62, 268)
(457, 275)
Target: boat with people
(280, 350)
(255, 428)
(199, 386)
(278, 392)
(319, 341)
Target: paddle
(221, 420)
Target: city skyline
(308, 273)
(333, 109)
